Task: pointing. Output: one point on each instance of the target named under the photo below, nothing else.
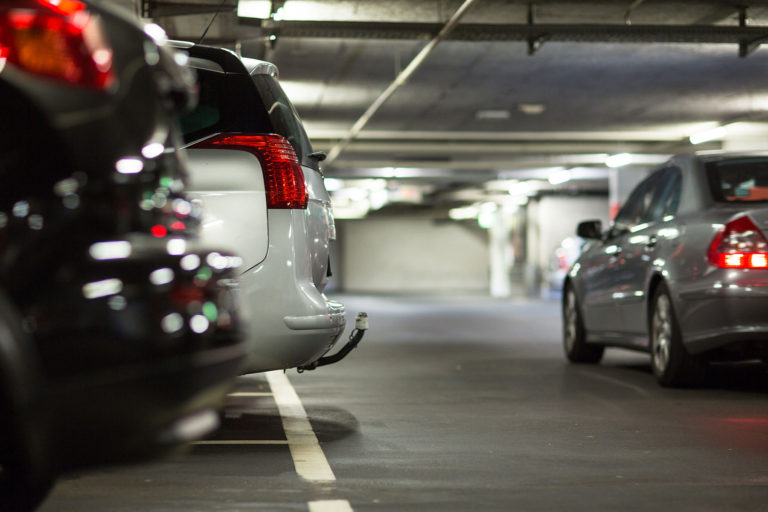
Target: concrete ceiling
(515, 87)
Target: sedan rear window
(739, 180)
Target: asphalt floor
(461, 404)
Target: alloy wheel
(571, 319)
(662, 333)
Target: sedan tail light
(739, 244)
(283, 177)
(58, 39)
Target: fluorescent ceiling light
(486, 219)
(464, 212)
(559, 177)
(619, 160)
(333, 184)
(492, 114)
(708, 135)
(254, 9)
(532, 109)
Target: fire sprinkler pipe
(404, 75)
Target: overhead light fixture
(560, 177)
(532, 109)
(492, 115)
(333, 184)
(708, 135)
(464, 212)
(520, 188)
(619, 160)
(254, 9)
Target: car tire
(577, 350)
(671, 363)
(26, 471)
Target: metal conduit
(398, 82)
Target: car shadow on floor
(748, 376)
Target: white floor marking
(243, 441)
(308, 457)
(243, 393)
(330, 506)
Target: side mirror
(590, 229)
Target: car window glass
(636, 209)
(671, 200)
(739, 180)
(666, 195)
(207, 115)
(228, 102)
(284, 117)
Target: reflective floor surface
(462, 404)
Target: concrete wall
(410, 253)
(550, 220)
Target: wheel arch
(22, 425)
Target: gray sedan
(682, 272)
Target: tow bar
(361, 325)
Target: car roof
(229, 61)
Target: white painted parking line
(308, 457)
(330, 506)
(249, 394)
(240, 442)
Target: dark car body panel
(114, 378)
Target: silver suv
(254, 172)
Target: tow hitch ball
(361, 325)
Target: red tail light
(283, 177)
(185, 294)
(739, 244)
(57, 39)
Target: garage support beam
(584, 33)
(153, 9)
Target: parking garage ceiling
(513, 88)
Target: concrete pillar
(614, 198)
(501, 255)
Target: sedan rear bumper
(720, 313)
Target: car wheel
(17, 492)
(672, 365)
(577, 350)
(26, 471)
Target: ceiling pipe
(404, 75)
(628, 14)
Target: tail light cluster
(58, 39)
(283, 177)
(739, 244)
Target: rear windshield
(238, 103)
(227, 103)
(284, 117)
(739, 180)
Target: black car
(119, 333)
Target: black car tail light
(283, 177)
(57, 39)
(739, 244)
